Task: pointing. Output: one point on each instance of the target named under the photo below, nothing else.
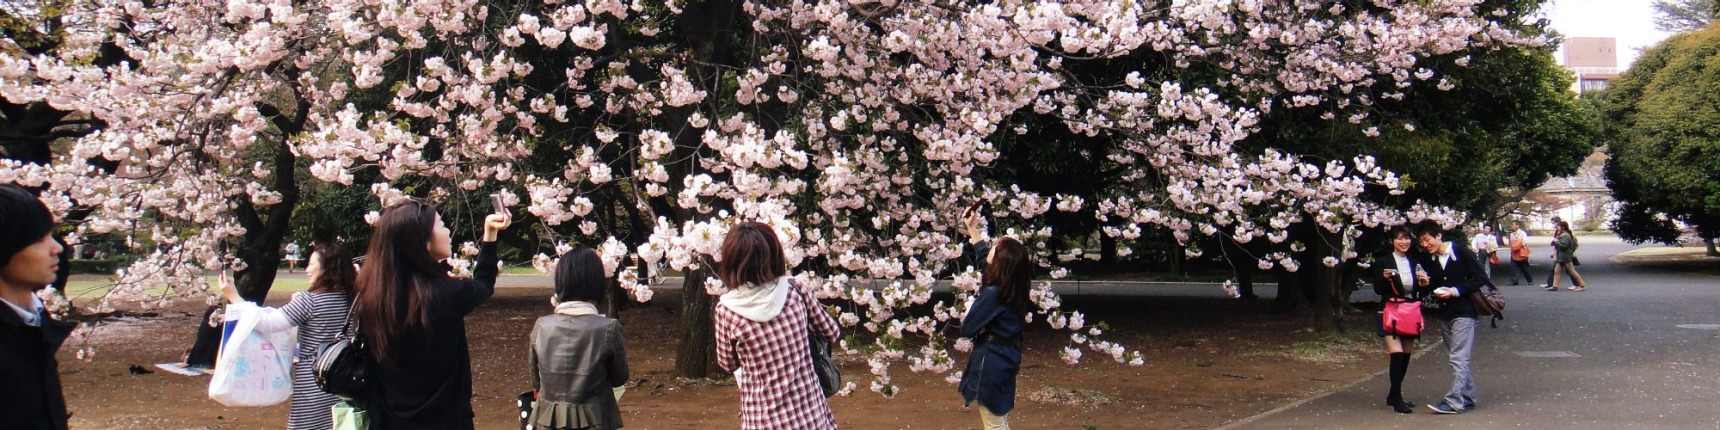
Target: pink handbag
(1402, 318)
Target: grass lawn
(83, 290)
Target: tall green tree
(1664, 142)
(1682, 15)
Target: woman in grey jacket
(578, 357)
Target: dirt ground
(1210, 361)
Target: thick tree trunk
(1712, 251)
(1107, 249)
(697, 357)
(1245, 283)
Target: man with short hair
(1484, 244)
(29, 261)
(1455, 274)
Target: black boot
(1399, 367)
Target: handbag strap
(350, 326)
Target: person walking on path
(1454, 273)
(763, 326)
(293, 257)
(578, 357)
(1564, 259)
(1393, 273)
(29, 336)
(994, 324)
(1519, 241)
(412, 318)
(319, 313)
(1484, 244)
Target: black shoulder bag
(829, 377)
(340, 365)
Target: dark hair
(1394, 232)
(338, 275)
(1429, 228)
(1011, 270)
(26, 219)
(579, 276)
(397, 268)
(751, 255)
(1566, 227)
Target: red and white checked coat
(779, 389)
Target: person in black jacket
(412, 318)
(1394, 277)
(29, 261)
(1454, 273)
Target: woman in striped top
(319, 313)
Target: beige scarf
(574, 308)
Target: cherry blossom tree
(858, 129)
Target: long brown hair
(1011, 270)
(751, 255)
(338, 275)
(397, 270)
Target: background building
(1594, 60)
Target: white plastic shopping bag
(254, 368)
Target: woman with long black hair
(994, 323)
(411, 316)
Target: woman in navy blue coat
(994, 324)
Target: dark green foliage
(1664, 116)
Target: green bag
(349, 416)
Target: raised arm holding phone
(411, 315)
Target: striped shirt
(319, 317)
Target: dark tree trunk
(1712, 252)
(711, 41)
(697, 357)
(1107, 249)
(1245, 283)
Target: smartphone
(497, 204)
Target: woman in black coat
(412, 318)
(1394, 276)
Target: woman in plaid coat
(762, 329)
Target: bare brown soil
(1210, 361)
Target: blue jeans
(1460, 343)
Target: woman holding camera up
(412, 317)
(994, 323)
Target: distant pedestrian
(763, 325)
(1454, 273)
(994, 323)
(292, 257)
(1564, 259)
(319, 313)
(29, 336)
(578, 357)
(1552, 270)
(1520, 253)
(1393, 278)
(1484, 244)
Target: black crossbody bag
(340, 365)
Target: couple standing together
(1441, 275)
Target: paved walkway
(1609, 358)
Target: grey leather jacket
(576, 363)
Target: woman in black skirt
(1393, 274)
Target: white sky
(1629, 21)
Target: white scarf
(574, 308)
(758, 302)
